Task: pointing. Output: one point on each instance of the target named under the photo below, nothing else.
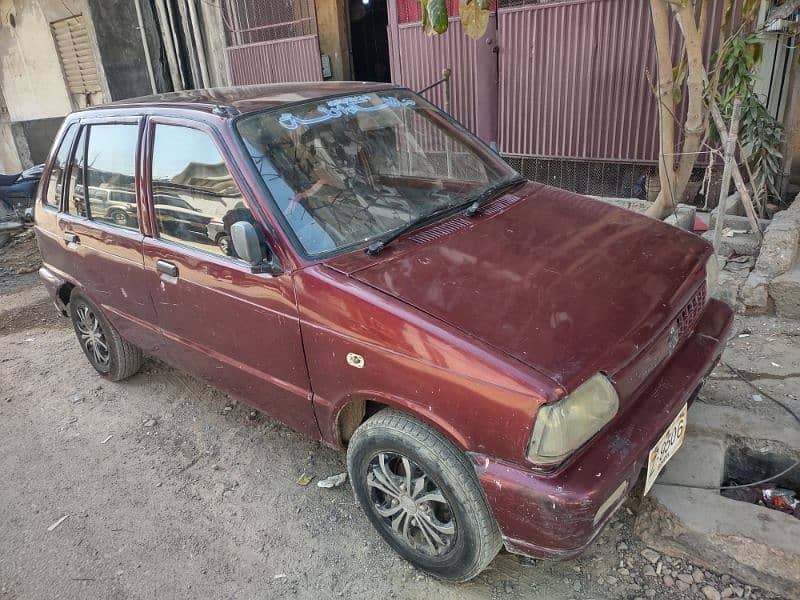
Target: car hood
(566, 284)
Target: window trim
(65, 192)
(247, 197)
(86, 123)
(46, 177)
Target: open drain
(745, 464)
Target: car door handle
(71, 238)
(167, 268)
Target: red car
(501, 359)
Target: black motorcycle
(17, 193)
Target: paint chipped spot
(124, 293)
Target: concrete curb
(750, 542)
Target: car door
(237, 329)
(105, 251)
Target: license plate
(666, 447)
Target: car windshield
(352, 169)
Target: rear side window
(76, 205)
(53, 193)
(103, 185)
(195, 198)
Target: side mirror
(250, 248)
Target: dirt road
(172, 490)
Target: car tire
(119, 217)
(223, 243)
(393, 452)
(110, 355)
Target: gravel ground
(170, 489)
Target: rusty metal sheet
(574, 79)
(294, 59)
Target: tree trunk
(666, 123)
(674, 181)
(695, 124)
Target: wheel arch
(353, 410)
(64, 292)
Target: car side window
(53, 194)
(76, 204)
(195, 198)
(111, 173)
(103, 170)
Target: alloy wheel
(411, 504)
(91, 336)
(224, 243)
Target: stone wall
(774, 282)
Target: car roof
(245, 98)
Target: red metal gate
(417, 60)
(272, 41)
(576, 78)
(555, 79)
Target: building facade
(562, 88)
(57, 56)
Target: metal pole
(446, 74)
(730, 156)
(146, 47)
(198, 43)
(166, 36)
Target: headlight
(563, 427)
(712, 274)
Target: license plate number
(665, 448)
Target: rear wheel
(109, 354)
(422, 495)
(119, 217)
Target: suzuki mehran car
(501, 359)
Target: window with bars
(77, 58)
(256, 21)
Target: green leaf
(437, 17)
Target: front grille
(687, 319)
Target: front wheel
(422, 495)
(223, 243)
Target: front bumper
(557, 515)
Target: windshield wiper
(491, 192)
(474, 206)
(379, 245)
